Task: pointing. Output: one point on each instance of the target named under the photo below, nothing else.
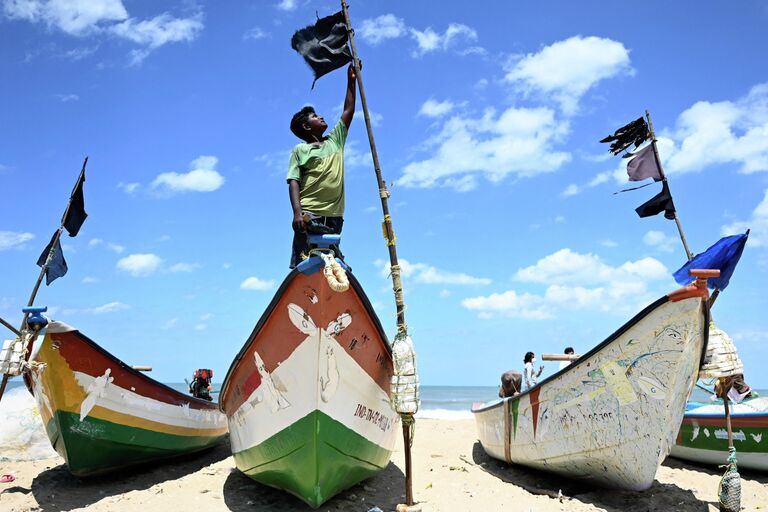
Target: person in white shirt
(531, 377)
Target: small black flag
(76, 213)
(635, 133)
(661, 202)
(324, 44)
(57, 267)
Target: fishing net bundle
(721, 359)
(729, 492)
(23, 435)
(405, 381)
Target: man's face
(316, 124)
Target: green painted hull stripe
(747, 445)
(315, 458)
(97, 446)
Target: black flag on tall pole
(661, 202)
(635, 133)
(324, 44)
(75, 214)
(52, 259)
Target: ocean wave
(443, 414)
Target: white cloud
(376, 30)
(109, 308)
(116, 248)
(254, 283)
(202, 178)
(158, 31)
(570, 190)
(608, 243)
(287, 5)
(432, 108)
(184, 267)
(659, 240)
(566, 266)
(75, 17)
(64, 98)
(758, 223)
(519, 142)
(429, 41)
(726, 132)
(139, 265)
(427, 274)
(566, 70)
(92, 17)
(89, 280)
(13, 239)
(255, 34)
(574, 281)
(129, 188)
(170, 324)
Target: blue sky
(486, 120)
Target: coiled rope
(334, 273)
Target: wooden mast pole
(44, 268)
(688, 252)
(390, 236)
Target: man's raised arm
(349, 100)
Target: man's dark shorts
(328, 225)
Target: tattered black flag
(635, 133)
(76, 212)
(661, 202)
(324, 44)
(57, 267)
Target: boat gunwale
(354, 284)
(610, 339)
(136, 373)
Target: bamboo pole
(397, 285)
(688, 252)
(44, 268)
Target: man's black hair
(299, 119)
(568, 350)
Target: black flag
(76, 213)
(57, 267)
(661, 202)
(635, 133)
(324, 44)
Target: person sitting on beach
(511, 383)
(316, 174)
(531, 377)
(567, 351)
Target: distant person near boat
(569, 352)
(531, 377)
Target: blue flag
(57, 267)
(724, 255)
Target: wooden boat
(307, 397)
(101, 415)
(704, 439)
(612, 415)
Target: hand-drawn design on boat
(611, 416)
(329, 362)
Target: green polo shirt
(319, 169)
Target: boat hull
(102, 416)
(307, 398)
(703, 437)
(611, 417)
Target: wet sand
(451, 473)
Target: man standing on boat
(316, 174)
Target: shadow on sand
(749, 474)
(660, 497)
(385, 490)
(81, 492)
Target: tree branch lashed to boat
(51, 261)
(405, 380)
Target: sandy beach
(451, 473)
